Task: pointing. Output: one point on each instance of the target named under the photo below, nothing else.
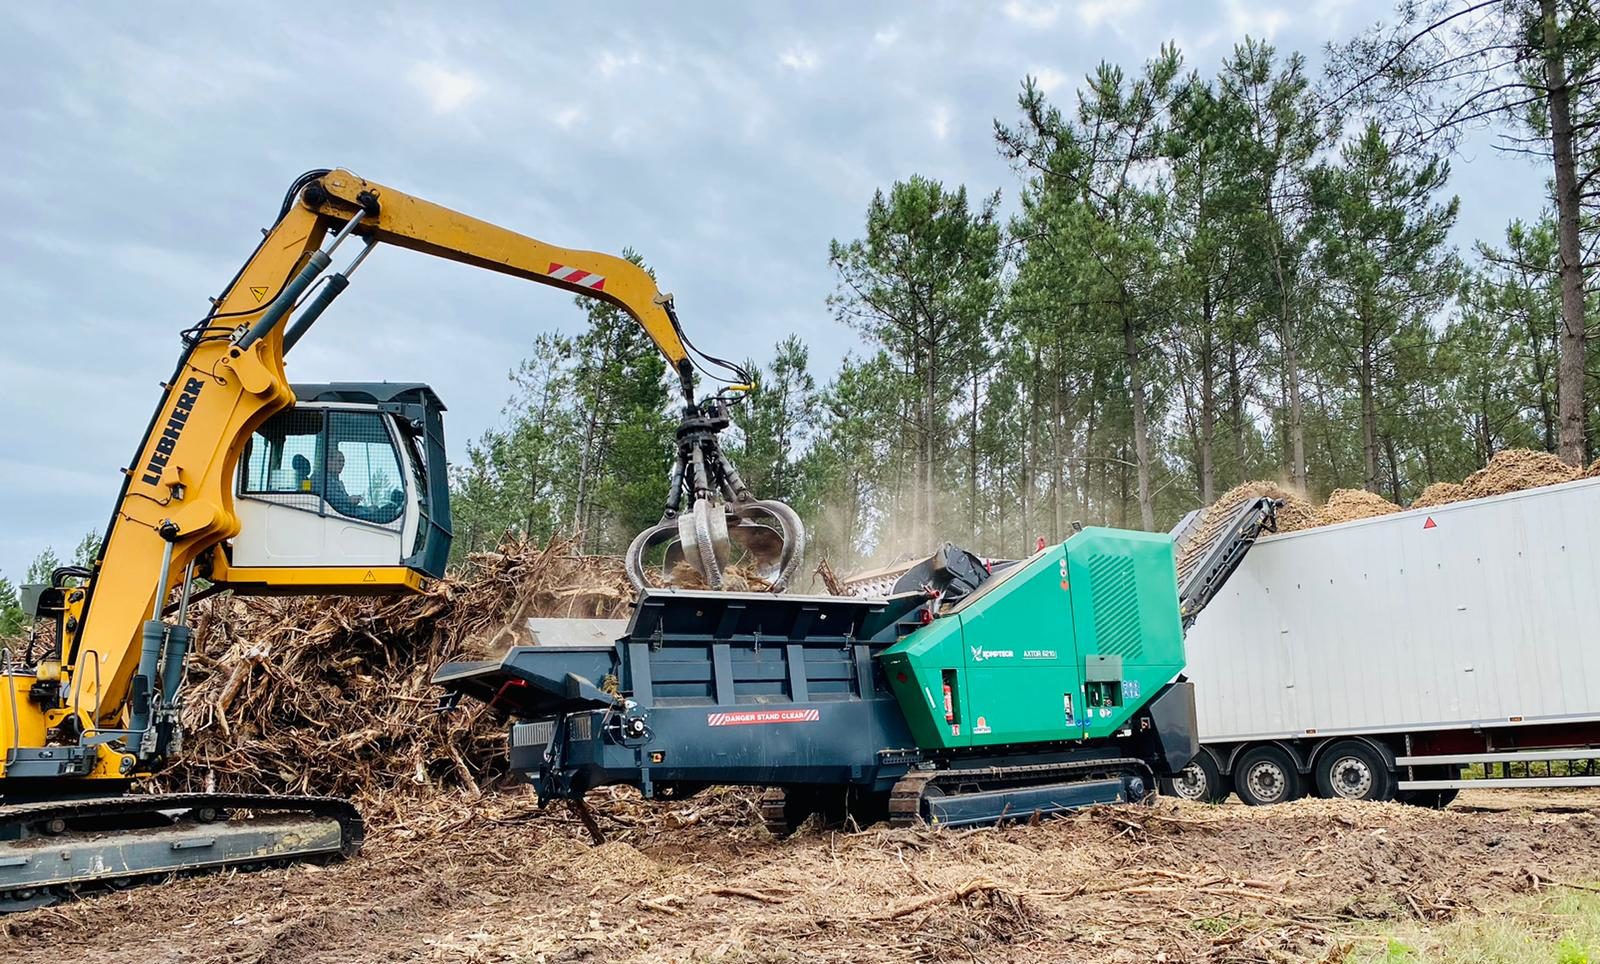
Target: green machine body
(1065, 646)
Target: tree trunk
(1092, 422)
(1369, 412)
(1485, 430)
(1394, 469)
(1236, 391)
(580, 509)
(1141, 437)
(972, 461)
(1537, 334)
(1297, 417)
(1030, 455)
(1572, 445)
(1427, 440)
(1334, 462)
(1208, 419)
(929, 473)
(1056, 459)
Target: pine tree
(1382, 246)
(12, 619)
(923, 282)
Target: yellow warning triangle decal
(370, 577)
(258, 293)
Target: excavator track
(52, 850)
(988, 795)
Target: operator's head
(336, 461)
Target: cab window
(328, 462)
(364, 479)
(280, 455)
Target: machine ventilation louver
(533, 734)
(1115, 590)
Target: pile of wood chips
(1297, 512)
(1347, 505)
(1440, 493)
(1516, 469)
(1509, 471)
(332, 696)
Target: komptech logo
(170, 432)
(979, 654)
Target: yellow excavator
(243, 482)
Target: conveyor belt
(1211, 544)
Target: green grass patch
(1559, 926)
(1214, 925)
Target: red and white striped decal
(577, 276)
(749, 717)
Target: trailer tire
(1265, 775)
(1353, 770)
(1201, 781)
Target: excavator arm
(391, 217)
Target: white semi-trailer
(1394, 657)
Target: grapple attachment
(726, 538)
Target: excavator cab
(346, 491)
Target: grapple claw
(720, 546)
(727, 539)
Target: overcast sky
(145, 144)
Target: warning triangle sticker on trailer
(1430, 524)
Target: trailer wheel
(1353, 770)
(1266, 774)
(1199, 781)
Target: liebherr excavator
(258, 486)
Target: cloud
(1049, 79)
(799, 59)
(609, 63)
(1114, 13)
(886, 37)
(939, 123)
(1254, 19)
(1031, 14)
(447, 90)
(1330, 13)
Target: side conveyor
(1210, 549)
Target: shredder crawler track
(966, 796)
(985, 795)
(50, 850)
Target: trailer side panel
(1481, 613)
